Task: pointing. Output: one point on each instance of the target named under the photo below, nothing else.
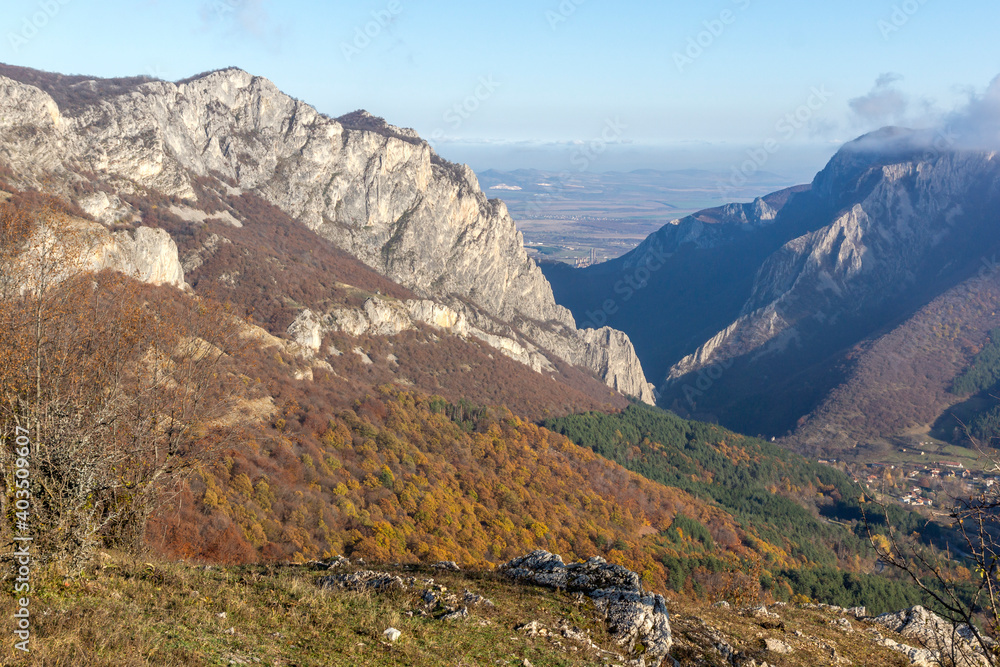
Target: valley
(313, 344)
(566, 215)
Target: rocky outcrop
(66, 246)
(709, 228)
(377, 191)
(609, 353)
(638, 621)
(939, 641)
(150, 255)
(869, 254)
(382, 317)
(606, 351)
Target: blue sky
(550, 71)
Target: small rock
(364, 580)
(221, 614)
(526, 663)
(448, 565)
(760, 612)
(338, 562)
(842, 624)
(392, 634)
(456, 615)
(471, 598)
(722, 604)
(532, 629)
(777, 646)
(231, 631)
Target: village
(933, 484)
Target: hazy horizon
(733, 73)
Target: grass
(813, 638)
(126, 612)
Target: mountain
(338, 445)
(376, 191)
(755, 313)
(212, 372)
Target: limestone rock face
(148, 254)
(707, 229)
(938, 639)
(145, 254)
(632, 615)
(381, 317)
(869, 253)
(377, 191)
(610, 354)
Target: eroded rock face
(148, 254)
(937, 638)
(866, 256)
(638, 621)
(145, 254)
(381, 317)
(377, 191)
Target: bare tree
(972, 610)
(120, 385)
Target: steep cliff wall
(377, 191)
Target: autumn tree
(121, 386)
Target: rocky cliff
(377, 191)
(710, 228)
(875, 250)
(66, 245)
(754, 313)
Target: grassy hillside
(129, 613)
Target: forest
(213, 446)
(807, 516)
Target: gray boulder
(638, 621)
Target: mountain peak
(228, 72)
(366, 122)
(374, 190)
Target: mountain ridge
(378, 192)
(777, 296)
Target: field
(564, 216)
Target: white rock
(374, 190)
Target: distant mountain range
(773, 316)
